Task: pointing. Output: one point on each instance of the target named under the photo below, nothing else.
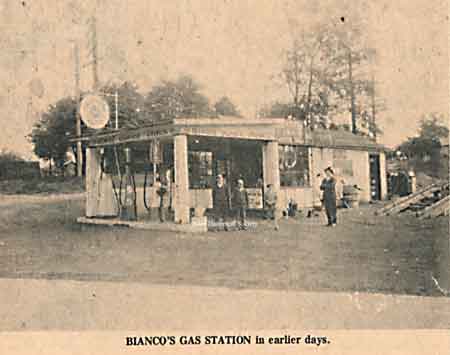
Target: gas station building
(263, 151)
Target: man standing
(240, 203)
(164, 190)
(220, 202)
(328, 187)
(270, 204)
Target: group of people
(239, 200)
(222, 200)
(226, 201)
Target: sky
(231, 47)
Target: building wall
(320, 159)
(351, 168)
(303, 196)
(361, 173)
(341, 160)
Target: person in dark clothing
(161, 190)
(164, 190)
(240, 203)
(328, 187)
(221, 199)
(270, 205)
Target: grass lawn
(42, 185)
(396, 254)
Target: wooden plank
(440, 207)
(399, 201)
(405, 202)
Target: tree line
(328, 73)
(167, 100)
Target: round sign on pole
(94, 111)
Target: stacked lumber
(403, 202)
(430, 201)
(439, 208)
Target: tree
(318, 108)
(181, 98)
(423, 150)
(51, 134)
(377, 104)
(303, 71)
(277, 110)
(433, 126)
(314, 43)
(225, 107)
(293, 72)
(130, 103)
(324, 71)
(349, 56)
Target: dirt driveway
(364, 253)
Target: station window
(200, 169)
(294, 166)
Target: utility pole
(308, 101)
(374, 122)
(94, 53)
(76, 54)
(116, 104)
(352, 90)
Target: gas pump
(154, 158)
(107, 206)
(128, 209)
(147, 201)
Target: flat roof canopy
(264, 129)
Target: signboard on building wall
(290, 134)
(342, 163)
(255, 198)
(344, 167)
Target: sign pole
(116, 102)
(76, 55)
(94, 53)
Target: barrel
(350, 195)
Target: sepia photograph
(224, 174)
